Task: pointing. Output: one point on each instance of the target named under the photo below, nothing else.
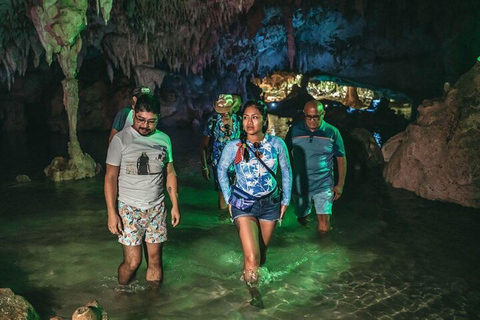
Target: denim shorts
(267, 209)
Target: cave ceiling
(404, 46)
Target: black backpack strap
(265, 165)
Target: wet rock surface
(15, 307)
(437, 156)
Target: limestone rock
(91, 311)
(366, 149)
(61, 169)
(23, 178)
(438, 156)
(14, 307)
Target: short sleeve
(120, 119)
(114, 153)
(169, 150)
(338, 147)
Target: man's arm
(342, 173)
(172, 193)
(113, 132)
(110, 189)
(204, 156)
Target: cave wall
(411, 47)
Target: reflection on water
(391, 255)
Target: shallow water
(391, 255)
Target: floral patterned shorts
(139, 222)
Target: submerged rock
(22, 178)
(438, 156)
(91, 311)
(14, 307)
(61, 169)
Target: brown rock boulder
(14, 307)
(366, 149)
(438, 156)
(91, 311)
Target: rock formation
(352, 99)
(14, 307)
(91, 311)
(59, 25)
(438, 156)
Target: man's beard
(145, 131)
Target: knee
(252, 260)
(132, 264)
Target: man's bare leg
(323, 223)
(132, 257)
(155, 265)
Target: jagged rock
(367, 151)
(61, 169)
(15, 307)
(22, 178)
(91, 311)
(438, 156)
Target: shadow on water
(14, 277)
(391, 254)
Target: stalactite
(59, 25)
(352, 99)
(288, 16)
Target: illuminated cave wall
(407, 47)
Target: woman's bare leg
(266, 231)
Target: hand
(175, 216)
(283, 209)
(337, 190)
(206, 174)
(115, 224)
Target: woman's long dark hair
(262, 107)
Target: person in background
(222, 126)
(124, 117)
(136, 161)
(256, 203)
(313, 144)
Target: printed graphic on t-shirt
(147, 162)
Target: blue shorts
(322, 201)
(267, 209)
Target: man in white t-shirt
(138, 158)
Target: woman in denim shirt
(255, 203)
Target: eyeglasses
(315, 117)
(148, 122)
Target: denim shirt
(252, 177)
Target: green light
(478, 58)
